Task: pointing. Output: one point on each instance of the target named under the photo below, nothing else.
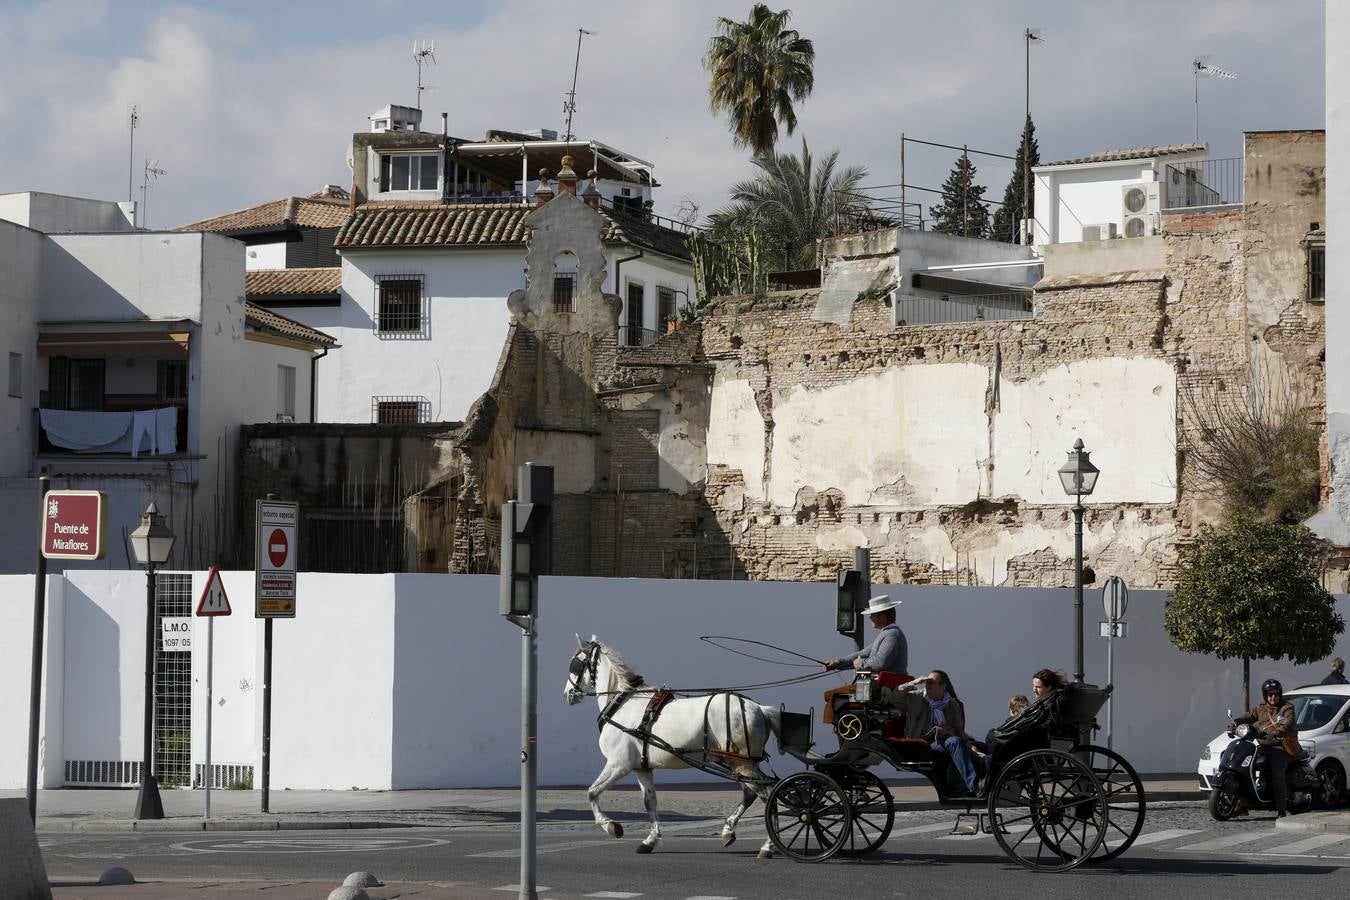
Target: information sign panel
(73, 524)
(275, 559)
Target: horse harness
(656, 702)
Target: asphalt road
(1181, 850)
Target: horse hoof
(645, 848)
(614, 829)
(728, 838)
(765, 854)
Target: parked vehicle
(1322, 714)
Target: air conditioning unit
(1103, 232)
(1141, 206)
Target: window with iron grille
(1317, 272)
(172, 380)
(400, 410)
(565, 292)
(665, 307)
(399, 305)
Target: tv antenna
(570, 104)
(151, 174)
(131, 152)
(424, 53)
(1202, 66)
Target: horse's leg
(611, 773)
(647, 781)
(748, 795)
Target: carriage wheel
(807, 816)
(1048, 811)
(1124, 799)
(873, 812)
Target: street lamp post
(1078, 476)
(150, 543)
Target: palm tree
(759, 69)
(792, 202)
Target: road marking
(309, 845)
(616, 895)
(1303, 846)
(1232, 840)
(978, 836)
(1156, 837)
(514, 852)
(705, 897)
(922, 829)
(515, 888)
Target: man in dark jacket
(1275, 718)
(1337, 675)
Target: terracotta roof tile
(1132, 153)
(283, 282)
(266, 320)
(303, 212)
(432, 224)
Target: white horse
(723, 729)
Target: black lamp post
(1079, 477)
(150, 543)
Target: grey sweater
(888, 652)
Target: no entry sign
(73, 524)
(275, 559)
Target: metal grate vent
(224, 776)
(102, 772)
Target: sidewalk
(111, 810)
(1324, 822)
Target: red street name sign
(74, 524)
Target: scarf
(939, 708)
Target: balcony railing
(633, 336)
(1206, 182)
(913, 310)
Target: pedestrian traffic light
(846, 620)
(526, 541)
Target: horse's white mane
(621, 671)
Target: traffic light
(846, 619)
(526, 541)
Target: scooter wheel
(1223, 801)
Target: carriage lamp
(1078, 476)
(151, 544)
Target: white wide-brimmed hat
(880, 603)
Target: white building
(1122, 193)
(132, 360)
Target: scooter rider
(1275, 718)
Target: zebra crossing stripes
(1228, 840)
(1157, 837)
(614, 895)
(1316, 842)
(921, 829)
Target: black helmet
(1272, 686)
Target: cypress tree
(962, 210)
(1010, 213)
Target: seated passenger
(1017, 704)
(1001, 747)
(940, 719)
(888, 652)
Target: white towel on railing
(166, 429)
(144, 431)
(92, 431)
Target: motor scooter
(1243, 778)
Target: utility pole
(1030, 35)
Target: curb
(1326, 823)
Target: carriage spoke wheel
(1048, 811)
(873, 812)
(808, 816)
(1124, 799)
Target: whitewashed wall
(16, 660)
(651, 271)
(261, 394)
(413, 680)
(20, 255)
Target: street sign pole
(529, 695)
(35, 686)
(1115, 599)
(274, 562)
(267, 716)
(210, 649)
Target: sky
(243, 101)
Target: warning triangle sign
(214, 602)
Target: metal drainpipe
(618, 284)
(313, 383)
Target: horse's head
(581, 671)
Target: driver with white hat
(889, 651)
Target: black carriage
(1052, 799)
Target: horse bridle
(585, 660)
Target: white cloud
(238, 114)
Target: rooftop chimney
(543, 193)
(567, 179)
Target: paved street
(576, 860)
